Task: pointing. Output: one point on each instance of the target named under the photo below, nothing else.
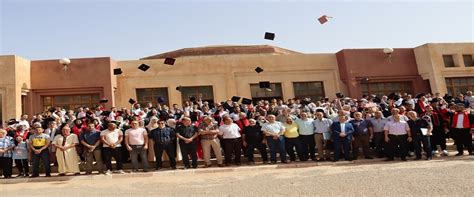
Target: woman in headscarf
(152, 125)
(66, 153)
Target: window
(313, 90)
(385, 88)
(468, 60)
(70, 101)
(459, 85)
(275, 92)
(206, 92)
(448, 61)
(150, 95)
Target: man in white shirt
(24, 121)
(306, 135)
(274, 131)
(136, 140)
(111, 146)
(397, 133)
(322, 135)
(230, 133)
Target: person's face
(342, 118)
(90, 127)
(161, 124)
(289, 121)
(319, 115)
(358, 116)
(303, 116)
(252, 123)
(2, 134)
(378, 114)
(396, 117)
(39, 130)
(186, 122)
(271, 118)
(66, 131)
(111, 126)
(134, 124)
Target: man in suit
(342, 135)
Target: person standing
(66, 153)
(187, 134)
(342, 135)
(39, 143)
(274, 131)
(462, 125)
(232, 140)
(20, 152)
(322, 129)
(6, 147)
(208, 131)
(306, 135)
(362, 134)
(136, 141)
(164, 139)
(292, 140)
(253, 138)
(111, 139)
(416, 126)
(378, 123)
(90, 139)
(397, 134)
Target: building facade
(219, 72)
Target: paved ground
(454, 177)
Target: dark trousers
(189, 150)
(22, 166)
(290, 145)
(116, 153)
(338, 141)
(361, 141)
(397, 144)
(276, 145)
(170, 151)
(307, 147)
(463, 139)
(418, 141)
(232, 146)
(438, 138)
(378, 141)
(6, 163)
(44, 156)
(261, 148)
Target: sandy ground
(413, 178)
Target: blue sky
(131, 29)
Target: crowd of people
(392, 126)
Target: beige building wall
(14, 83)
(429, 59)
(229, 75)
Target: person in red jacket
(462, 124)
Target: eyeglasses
(161, 123)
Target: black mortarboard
(434, 100)
(143, 67)
(103, 100)
(105, 113)
(393, 96)
(269, 36)
(418, 96)
(264, 84)
(235, 99)
(169, 61)
(246, 101)
(192, 98)
(160, 99)
(12, 122)
(258, 70)
(339, 95)
(118, 71)
(179, 88)
(131, 101)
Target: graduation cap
(339, 95)
(118, 71)
(12, 122)
(160, 99)
(323, 19)
(143, 67)
(131, 101)
(103, 100)
(235, 99)
(269, 36)
(169, 61)
(393, 96)
(246, 101)
(105, 113)
(179, 88)
(258, 70)
(192, 98)
(434, 100)
(264, 84)
(420, 95)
